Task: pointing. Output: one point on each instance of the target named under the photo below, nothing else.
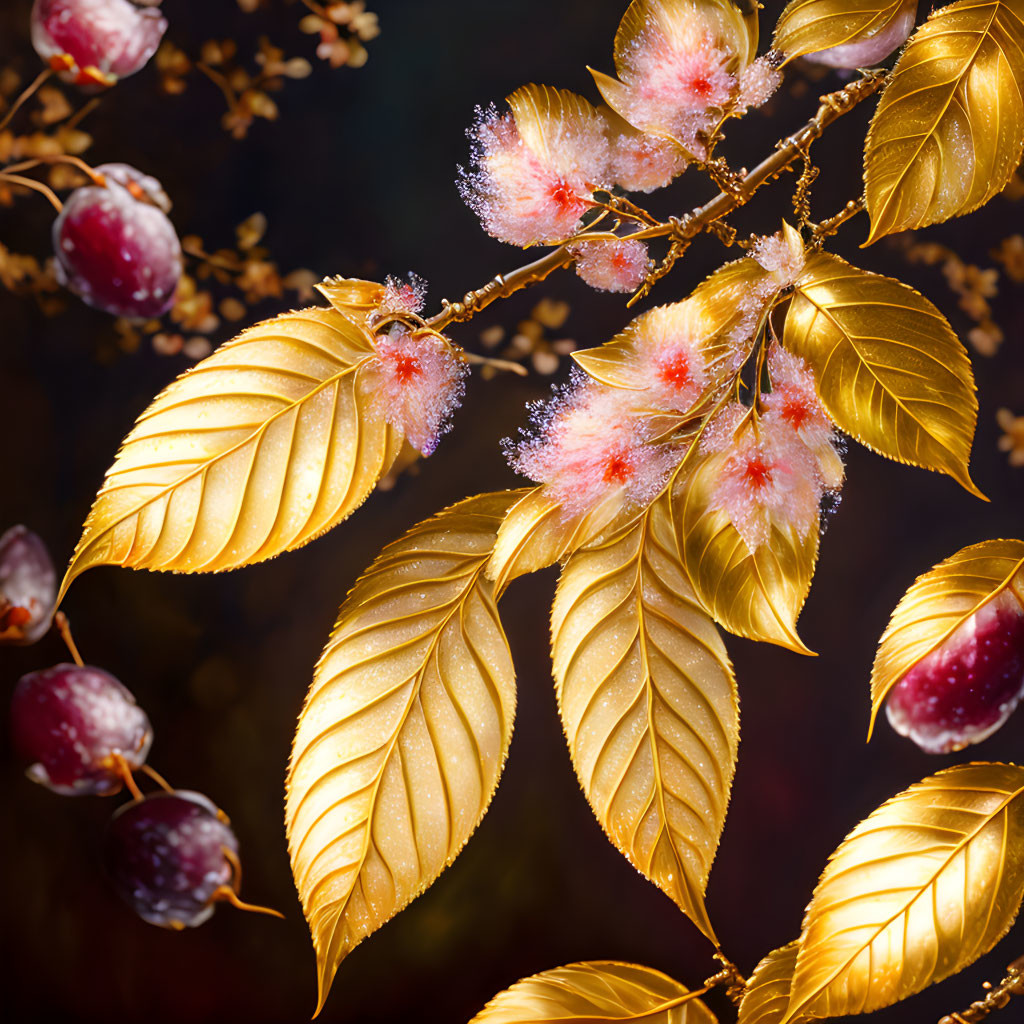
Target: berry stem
(20, 101)
(122, 769)
(60, 621)
(680, 229)
(58, 158)
(36, 186)
(225, 894)
(157, 778)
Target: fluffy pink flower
(642, 163)
(794, 403)
(408, 296)
(536, 169)
(415, 383)
(612, 266)
(782, 255)
(766, 476)
(758, 83)
(672, 368)
(588, 443)
(93, 43)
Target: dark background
(357, 177)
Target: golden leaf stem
(827, 228)
(996, 998)
(680, 229)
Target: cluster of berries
(172, 854)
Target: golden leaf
(351, 296)
(720, 322)
(598, 990)
(938, 603)
(921, 888)
(404, 731)
(538, 532)
(544, 116)
(766, 997)
(755, 594)
(949, 130)
(258, 449)
(890, 370)
(810, 26)
(649, 705)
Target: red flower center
(796, 411)
(564, 198)
(675, 370)
(617, 469)
(700, 87)
(758, 473)
(406, 367)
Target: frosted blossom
(587, 443)
(794, 403)
(782, 255)
(643, 163)
(758, 83)
(612, 266)
(867, 52)
(766, 477)
(536, 169)
(672, 367)
(415, 383)
(408, 296)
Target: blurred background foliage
(355, 176)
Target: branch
(996, 998)
(680, 229)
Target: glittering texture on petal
(966, 688)
(415, 383)
(612, 266)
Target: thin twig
(20, 101)
(58, 158)
(63, 627)
(35, 186)
(680, 229)
(995, 999)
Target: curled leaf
(404, 731)
(866, 31)
(258, 449)
(354, 298)
(941, 603)
(949, 130)
(890, 370)
(596, 990)
(649, 705)
(766, 996)
(919, 890)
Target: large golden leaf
(809, 26)
(256, 450)
(753, 594)
(949, 130)
(404, 731)
(890, 370)
(766, 997)
(928, 883)
(649, 705)
(598, 990)
(938, 603)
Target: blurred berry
(28, 587)
(117, 252)
(143, 187)
(93, 43)
(966, 688)
(166, 857)
(68, 722)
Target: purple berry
(966, 688)
(93, 43)
(166, 857)
(115, 249)
(28, 587)
(69, 722)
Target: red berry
(166, 856)
(93, 43)
(28, 587)
(118, 252)
(68, 722)
(966, 688)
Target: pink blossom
(668, 341)
(415, 383)
(403, 297)
(588, 443)
(794, 402)
(782, 255)
(758, 83)
(612, 266)
(639, 162)
(765, 477)
(536, 169)
(93, 43)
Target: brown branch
(995, 999)
(680, 229)
(20, 101)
